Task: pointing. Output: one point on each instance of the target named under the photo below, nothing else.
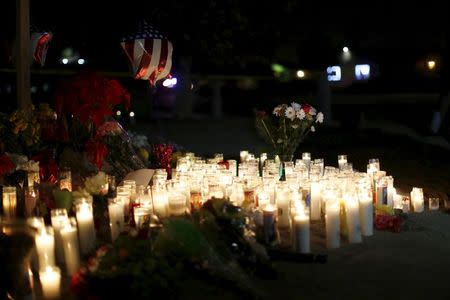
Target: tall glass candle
(269, 215)
(306, 157)
(316, 199)
(243, 155)
(342, 159)
(352, 217)
(366, 214)
(417, 199)
(9, 201)
(36, 223)
(45, 247)
(332, 222)
(59, 219)
(301, 233)
(160, 201)
(65, 179)
(69, 238)
(282, 198)
(124, 195)
(85, 220)
(116, 218)
(31, 198)
(50, 279)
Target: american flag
(39, 45)
(149, 53)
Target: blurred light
(345, 49)
(131, 113)
(118, 113)
(192, 86)
(431, 64)
(362, 72)
(170, 82)
(33, 89)
(81, 61)
(9, 89)
(334, 73)
(65, 61)
(277, 68)
(45, 87)
(300, 73)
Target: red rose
(306, 108)
(261, 114)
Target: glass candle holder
(33, 178)
(9, 201)
(177, 203)
(433, 203)
(116, 217)
(65, 179)
(85, 220)
(45, 247)
(31, 198)
(243, 155)
(50, 279)
(142, 219)
(59, 219)
(342, 159)
(123, 195)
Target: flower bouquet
(288, 128)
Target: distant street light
(431, 64)
(345, 49)
(81, 61)
(300, 74)
(65, 61)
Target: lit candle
(382, 191)
(69, 239)
(243, 155)
(417, 199)
(405, 204)
(36, 223)
(398, 204)
(282, 199)
(9, 201)
(352, 217)
(65, 179)
(269, 223)
(124, 195)
(131, 184)
(316, 199)
(51, 282)
(306, 157)
(85, 220)
(177, 203)
(59, 219)
(45, 247)
(390, 191)
(142, 218)
(263, 199)
(342, 160)
(160, 202)
(366, 214)
(332, 222)
(116, 218)
(301, 233)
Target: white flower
(312, 111)
(295, 126)
(290, 113)
(313, 129)
(319, 118)
(296, 106)
(300, 114)
(95, 184)
(277, 111)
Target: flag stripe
(168, 65)
(162, 62)
(145, 59)
(155, 58)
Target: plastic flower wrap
(95, 185)
(288, 126)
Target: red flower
(6, 164)
(91, 97)
(306, 108)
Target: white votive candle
(332, 223)
(51, 282)
(59, 219)
(353, 223)
(366, 214)
(116, 218)
(306, 157)
(417, 199)
(316, 199)
(45, 247)
(86, 229)
(71, 249)
(269, 223)
(160, 203)
(243, 155)
(282, 199)
(342, 160)
(301, 233)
